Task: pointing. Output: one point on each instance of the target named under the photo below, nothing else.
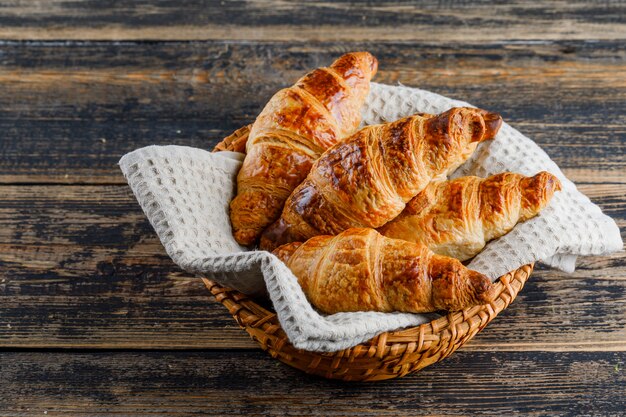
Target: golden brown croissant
(458, 217)
(366, 180)
(361, 270)
(292, 131)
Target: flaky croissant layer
(366, 180)
(361, 270)
(294, 128)
(458, 217)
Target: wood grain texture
(96, 101)
(338, 21)
(253, 384)
(80, 266)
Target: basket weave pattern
(388, 355)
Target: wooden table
(95, 318)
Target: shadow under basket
(388, 355)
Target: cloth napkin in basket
(185, 193)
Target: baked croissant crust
(458, 217)
(361, 270)
(292, 131)
(366, 180)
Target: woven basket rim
(507, 286)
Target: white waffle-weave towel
(185, 194)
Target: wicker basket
(388, 355)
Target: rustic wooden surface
(95, 318)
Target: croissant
(292, 131)
(361, 270)
(366, 180)
(457, 218)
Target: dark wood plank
(312, 21)
(80, 266)
(69, 111)
(253, 384)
